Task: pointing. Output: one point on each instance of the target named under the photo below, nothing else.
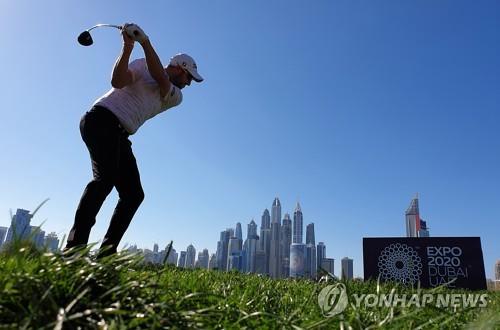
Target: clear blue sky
(351, 107)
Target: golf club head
(85, 39)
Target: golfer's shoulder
(173, 97)
(138, 64)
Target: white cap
(187, 63)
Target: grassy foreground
(47, 291)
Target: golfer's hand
(135, 32)
(127, 40)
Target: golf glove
(135, 32)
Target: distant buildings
(265, 242)
(285, 242)
(415, 226)
(203, 259)
(297, 260)
(20, 226)
(250, 248)
(497, 270)
(190, 256)
(297, 224)
(21, 229)
(52, 242)
(320, 252)
(182, 260)
(311, 257)
(328, 264)
(279, 251)
(347, 269)
(274, 250)
(212, 264)
(3, 234)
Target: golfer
(141, 90)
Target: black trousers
(113, 165)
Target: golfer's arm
(122, 76)
(155, 68)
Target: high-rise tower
(182, 260)
(237, 232)
(412, 218)
(20, 225)
(265, 241)
(297, 225)
(222, 249)
(320, 253)
(347, 268)
(250, 248)
(310, 237)
(3, 233)
(274, 255)
(286, 241)
(311, 263)
(415, 226)
(497, 270)
(190, 256)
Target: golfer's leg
(131, 195)
(103, 145)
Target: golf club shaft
(106, 25)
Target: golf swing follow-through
(132, 30)
(140, 90)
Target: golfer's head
(184, 70)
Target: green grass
(47, 291)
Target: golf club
(85, 39)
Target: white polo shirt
(139, 101)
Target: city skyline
(188, 258)
(21, 229)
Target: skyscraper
(415, 226)
(497, 270)
(234, 254)
(265, 239)
(52, 242)
(274, 256)
(222, 249)
(347, 268)
(203, 259)
(286, 241)
(190, 256)
(250, 247)
(297, 260)
(412, 218)
(238, 233)
(311, 263)
(182, 260)
(172, 257)
(213, 262)
(20, 225)
(320, 253)
(276, 211)
(310, 237)
(328, 264)
(297, 225)
(260, 262)
(423, 231)
(3, 233)
(218, 254)
(37, 235)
